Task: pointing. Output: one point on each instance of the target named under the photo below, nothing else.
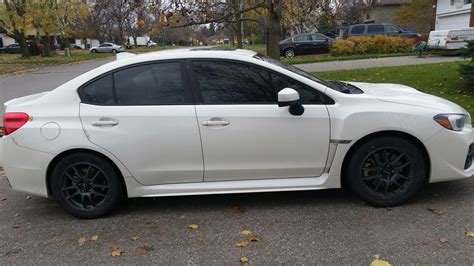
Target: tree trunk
(135, 41)
(47, 47)
(24, 46)
(238, 35)
(274, 31)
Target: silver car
(107, 48)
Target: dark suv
(367, 30)
(311, 43)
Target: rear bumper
(25, 168)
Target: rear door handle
(210, 123)
(105, 123)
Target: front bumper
(448, 151)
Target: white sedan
(207, 121)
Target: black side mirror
(296, 108)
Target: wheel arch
(386, 133)
(63, 154)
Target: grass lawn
(442, 80)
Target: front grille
(470, 157)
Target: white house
(5, 40)
(454, 14)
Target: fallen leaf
(364, 220)
(244, 259)
(242, 243)
(193, 226)
(237, 208)
(245, 232)
(183, 216)
(443, 240)
(116, 251)
(379, 262)
(255, 238)
(469, 234)
(140, 251)
(95, 238)
(81, 241)
(148, 221)
(436, 211)
(135, 238)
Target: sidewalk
(376, 62)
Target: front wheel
(86, 185)
(94, 51)
(386, 171)
(114, 51)
(290, 53)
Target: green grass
(438, 79)
(56, 59)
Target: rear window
(100, 91)
(358, 29)
(376, 29)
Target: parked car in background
(107, 48)
(151, 43)
(368, 30)
(311, 43)
(11, 49)
(450, 39)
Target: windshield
(300, 72)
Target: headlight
(451, 121)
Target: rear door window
(358, 30)
(302, 38)
(376, 29)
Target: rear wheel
(94, 51)
(114, 51)
(86, 185)
(386, 171)
(289, 53)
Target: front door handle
(105, 123)
(210, 123)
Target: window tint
(302, 38)
(358, 29)
(307, 94)
(150, 84)
(99, 91)
(317, 37)
(233, 83)
(392, 29)
(376, 29)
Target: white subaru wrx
(206, 121)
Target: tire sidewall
(113, 195)
(353, 174)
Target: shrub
(466, 71)
(372, 45)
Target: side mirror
(289, 97)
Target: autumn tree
(417, 15)
(45, 21)
(16, 18)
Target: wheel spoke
(99, 186)
(88, 171)
(369, 177)
(70, 177)
(378, 185)
(68, 188)
(398, 158)
(401, 167)
(73, 195)
(77, 172)
(387, 185)
(95, 176)
(403, 177)
(98, 193)
(386, 156)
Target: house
(5, 40)
(453, 14)
(383, 11)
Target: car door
(392, 30)
(375, 29)
(144, 115)
(245, 135)
(320, 43)
(303, 44)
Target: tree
(417, 15)
(300, 16)
(45, 21)
(467, 70)
(16, 18)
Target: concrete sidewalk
(372, 63)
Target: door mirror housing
(287, 96)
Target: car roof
(199, 51)
(368, 24)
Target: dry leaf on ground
(469, 234)
(443, 240)
(245, 232)
(378, 262)
(193, 226)
(242, 244)
(148, 221)
(81, 241)
(183, 216)
(255, 238)
(95, 238)
(237, 208)
(244, 259)
(436, 211)
(135, 238)
(116, 251)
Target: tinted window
(358, 29)
(307, 94)
(316, 37)
(99, 91)
(231, 82)
(392, 29)
(376, 29)
(302, 38)
(150, 84)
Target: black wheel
(114, 51)
(94, 51)
(386, 171)
(86, 185)
(289, 53)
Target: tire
(386, 182)
(86, 185)
(94, 51)
(289, 53)
(114, 51)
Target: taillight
(13, 121)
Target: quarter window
(100, 91)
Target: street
(312, 227)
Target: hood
(397, 93)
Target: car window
(307, 94)
(100, 91)
(358, 29)
(302, 38)
(150, 84)
(317, 37)
(376, 29)
(392, 29)
(233, 83)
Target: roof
(200, 51)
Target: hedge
(371, 45)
